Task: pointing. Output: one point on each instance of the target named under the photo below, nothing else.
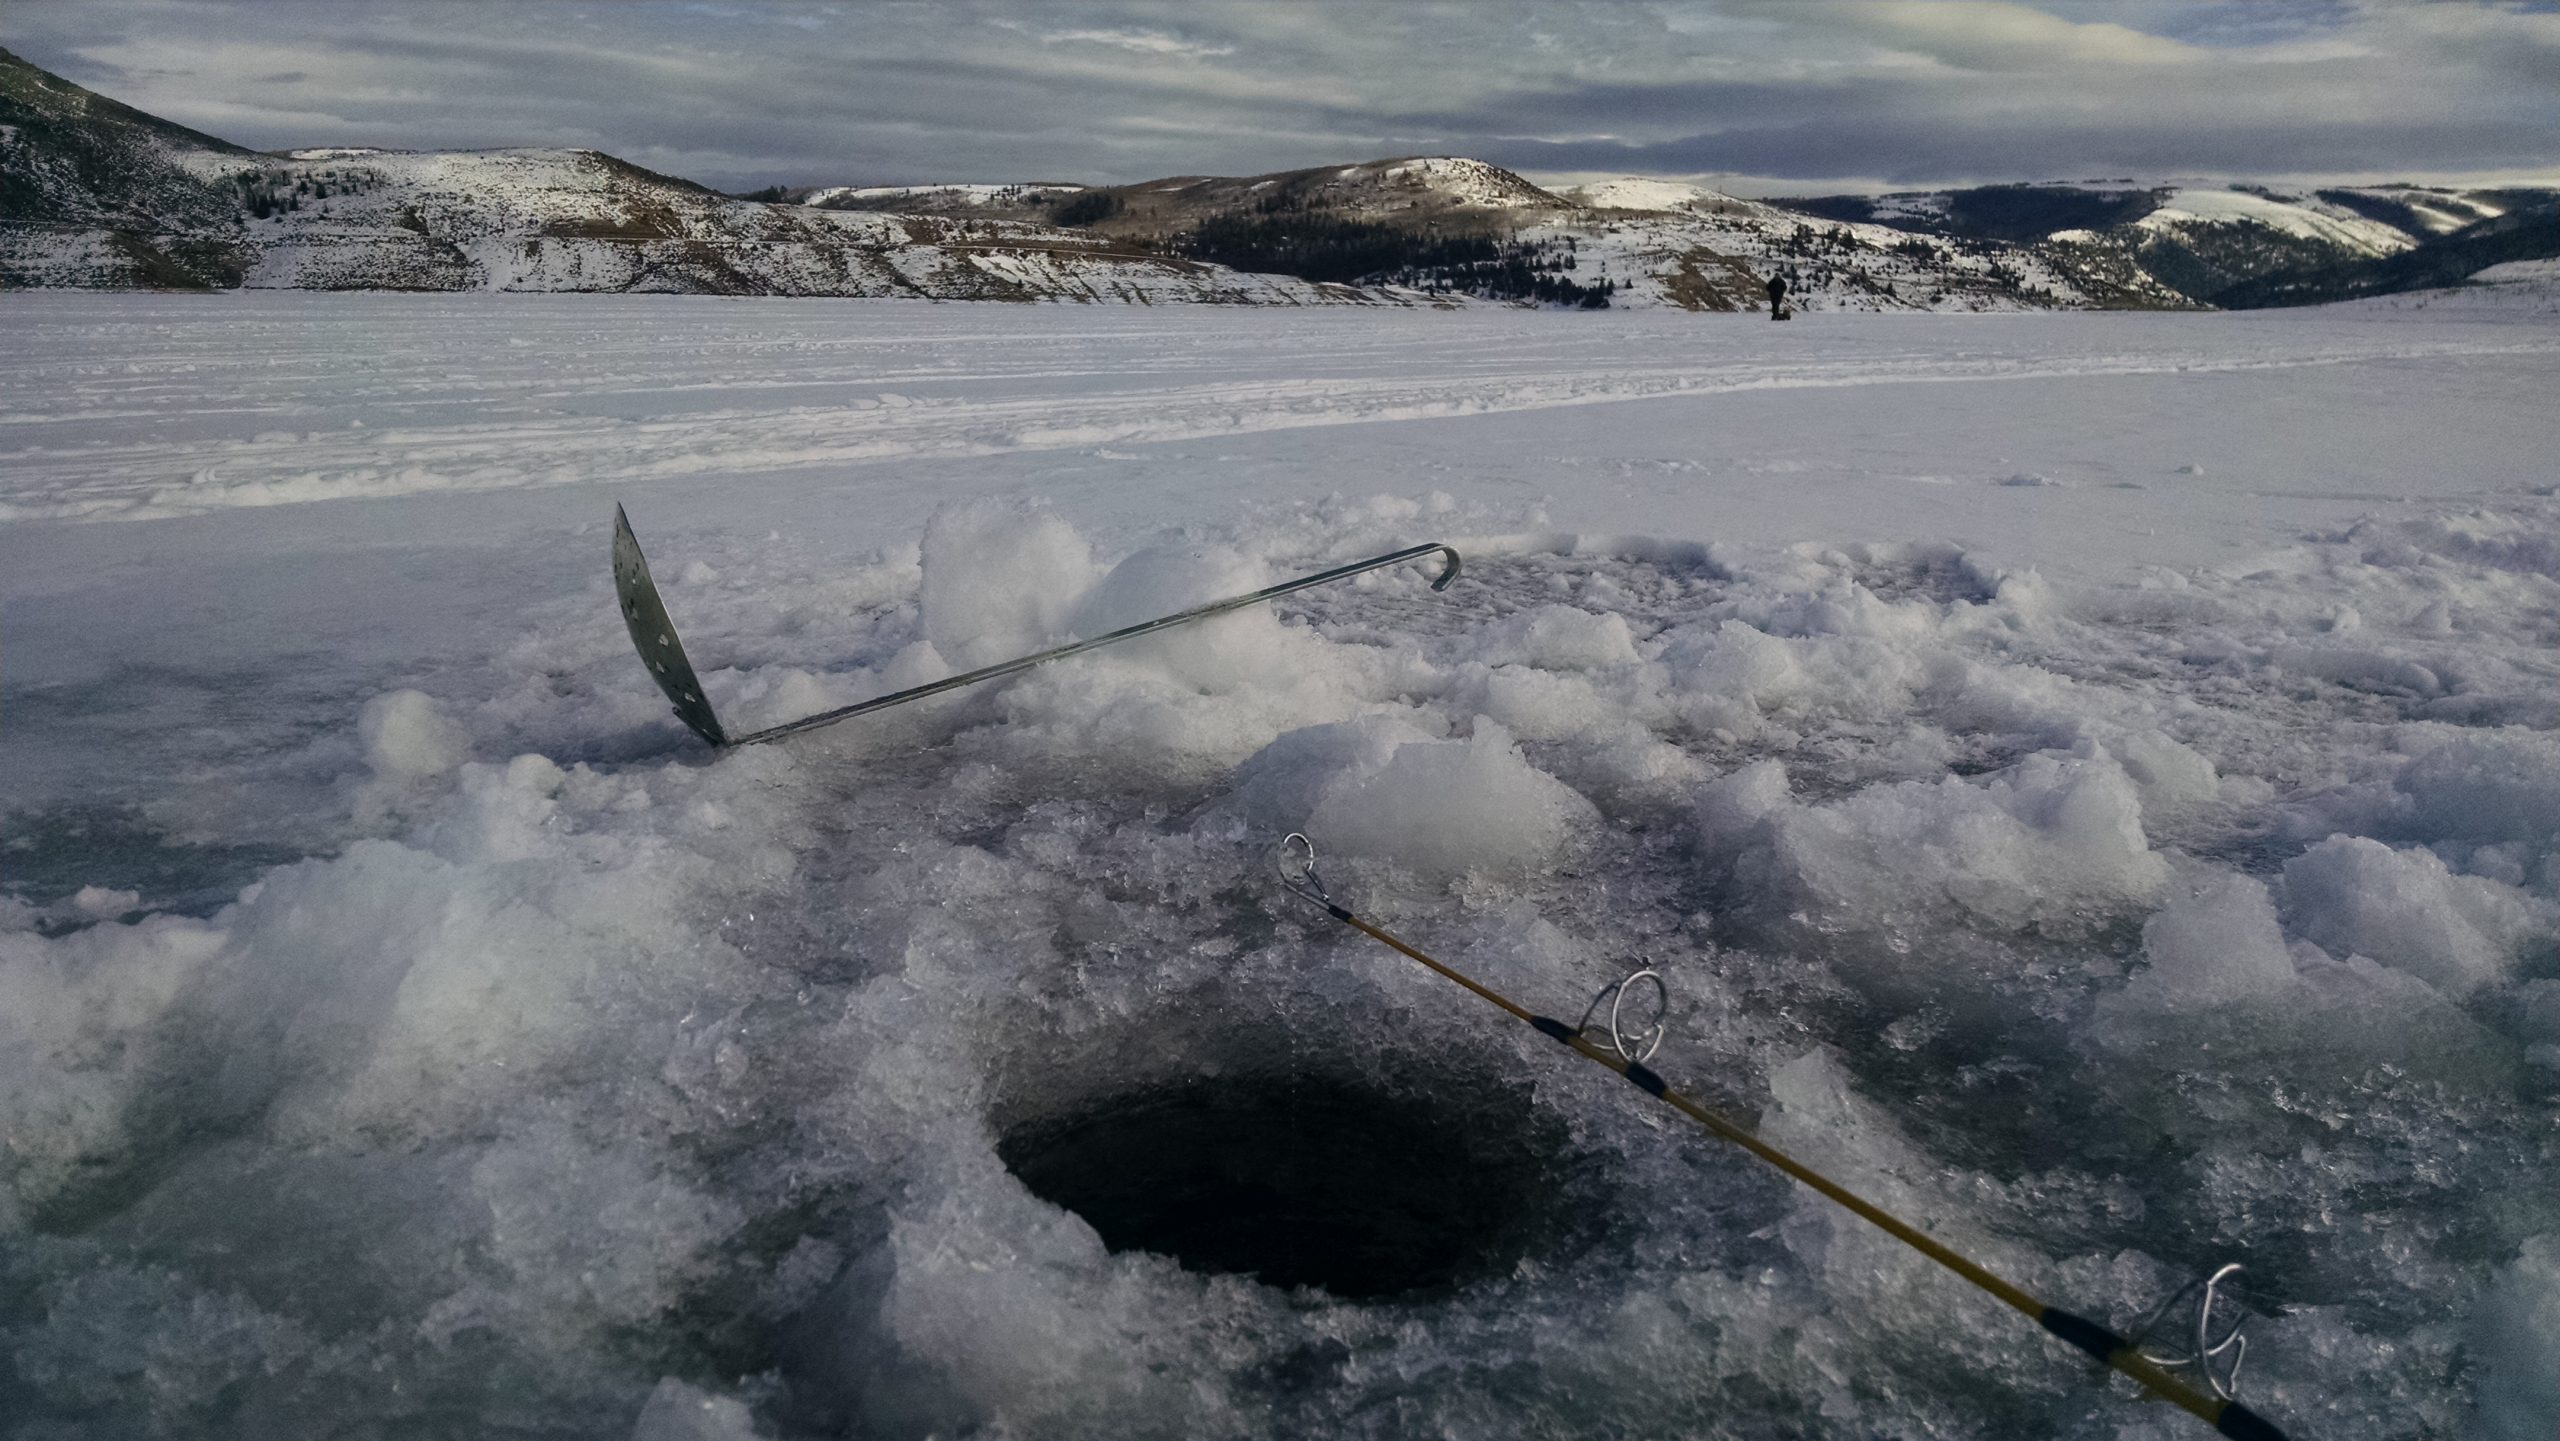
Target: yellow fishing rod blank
(2225, 1415)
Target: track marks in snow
(482, 404)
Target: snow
(2218, 945)
(1443, 810)
(1638, 192)
(405, 1025)
(580, 221)
(1918, 205)
(1459, 179)
(2355, 895)
(678, 1412)
(2305, 219)
(1718, 253)
(1465, 183)
(2050, 846)
(2514, 272)
(2515, 287)
(407, 735)
(2518, 1332)
(100, 444)
(2439, 211)
(975, 619)
(958, 193)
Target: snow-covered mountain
(2204, 240)
(2186, 210)
(1646, 192)
(1029, 201)
(93, 188)
(1690, 246)
(2114, 244)
(2226, 244)
(101, 195)
(1405, 190)
(578, 220)
(1428, 221)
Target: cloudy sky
(1767, 95)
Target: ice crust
(407, 736)
(977, 613)
(564, 1081)
(2518, 1333)
(1448, 809)
(2354, 895)
(2053, 847)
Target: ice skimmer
(655, 636)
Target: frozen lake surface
(2091, 781)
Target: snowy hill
(1030, 202)
(2235, 245)
(1406, 190)
(578, 220)
(2515, 288)
(1699, 249)
(2301, 218)
(2525, 230)
(1427, 222)
(2420, 210)
(2205, 241)
(102, 189)
(1434, 186)
(100, 195)
(1644, 192)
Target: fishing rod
(654, 635)
(1627, 1055)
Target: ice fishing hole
(1306, 1181)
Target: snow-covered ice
(2511, 288)
(2091, 781)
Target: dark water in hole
(1299, 1182)
(47, 855)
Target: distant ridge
(2238, 245)
(94, 193)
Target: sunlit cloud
(1144, 42)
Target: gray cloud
(1799, 92)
